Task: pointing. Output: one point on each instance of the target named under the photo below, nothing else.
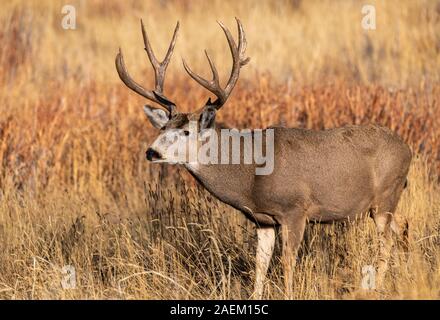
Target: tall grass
(76, 190)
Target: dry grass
(75, 187)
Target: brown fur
(319, 176)
(329, 175)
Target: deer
(319, 176)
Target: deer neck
(231, 183)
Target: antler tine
(159, 70)
(128, 80)
(215, 77)
(238, 54)
(159, 67)
(238, 60)
(214, 84)
(242, 44)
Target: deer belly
(260, 218)
(320, 213)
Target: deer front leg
(292, 232)
(266, 242)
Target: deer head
(174, 125)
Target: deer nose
(152, 154)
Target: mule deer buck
(318, 176)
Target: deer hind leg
(387, 222)
(383, 225)
(265, 246)
(292, 233)
(400, 227)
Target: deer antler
(238, 60)
(160, 68)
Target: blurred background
(75, 187)
(304, 41)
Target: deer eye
(186, 133)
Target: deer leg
(265, 246)
(292, 233)
(383, 226)
(400, 227)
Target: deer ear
(207, 118)
(158, 117)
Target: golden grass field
(75, 188)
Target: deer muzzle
(152, 155)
